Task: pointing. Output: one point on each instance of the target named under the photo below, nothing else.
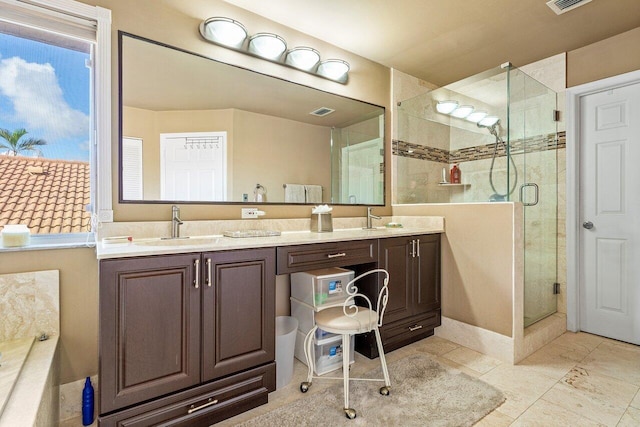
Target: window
(55, 112)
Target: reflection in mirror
(197, 130)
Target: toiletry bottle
(87, 403)
(455, 175)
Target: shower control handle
(588, 225)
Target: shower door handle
(535, 187)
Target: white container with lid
(15, 235)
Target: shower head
(491, 123)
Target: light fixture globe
(224, 31)
(334, 69)
(303, 58)
(489, 121)
(476, 116)
(446, 107)
(462, 111)
(267, 45)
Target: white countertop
(202, 243)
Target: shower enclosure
(499, 127)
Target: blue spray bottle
(87, 403)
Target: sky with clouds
(45, 90)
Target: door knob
(588, 225)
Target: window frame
(100, 131)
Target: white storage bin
(327, 353)
(318, 287)
(306, 318)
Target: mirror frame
(122, 34)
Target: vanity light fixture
(224, 31)
(267, 45)
(303, 58)
(231, 34)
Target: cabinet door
(149, 328)
(238, 309)
(427, 274)
(395, 257)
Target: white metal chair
(347, 319)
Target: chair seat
(333, 320)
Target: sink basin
(251, 233)
(186, 241)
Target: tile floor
(576, 380)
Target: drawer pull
(194, 408)
(209, 272)
(196, 281)
(415, 328)
(338, 255)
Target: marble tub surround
(12, 357)
(30, 307)
(30, 304)
(34, 399)
(294, 232)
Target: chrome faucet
(176, 222)
(370, 216)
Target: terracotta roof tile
(51, 202)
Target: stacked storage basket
(311, 291)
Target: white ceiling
(443, 41)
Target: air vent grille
(562, 6)
(322, 111)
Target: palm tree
(15, 146)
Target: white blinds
(47, 18)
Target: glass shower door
(533, 143)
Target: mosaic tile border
(480, 152)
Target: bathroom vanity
(187, 333)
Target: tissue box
(321, 222)
(15, 235)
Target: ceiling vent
(562, 6)
(322, 111)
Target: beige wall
(610, 57)
(478, 265)
(287, 152)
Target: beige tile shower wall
(478, 266)
(30, 304)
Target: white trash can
(286, 327)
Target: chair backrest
(351, 309)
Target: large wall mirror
(196, 130)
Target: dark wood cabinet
(238, 309)
(171, 322)
(413, 308)
(149, 329)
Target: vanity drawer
(196, 407)
(339, 254)
(397, 334)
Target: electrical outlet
(250, 213)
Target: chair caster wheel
(384, 391)
(304, 387)
(350, 413)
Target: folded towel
(294, 193)
(313, 193)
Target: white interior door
(610, 213)
(193, 166)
